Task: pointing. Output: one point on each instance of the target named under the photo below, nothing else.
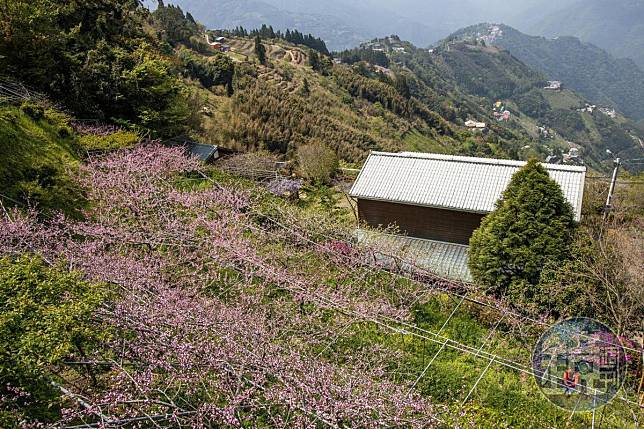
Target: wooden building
(441, 197)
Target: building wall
(421, 222)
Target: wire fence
(13, 91)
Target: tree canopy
(260, 50)
(46, 318)
(96, 59)
(291, 36)
(531, 226)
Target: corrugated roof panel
(453, 182)
(202, 151)
(445, 259)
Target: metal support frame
(478, 380)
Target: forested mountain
(589, 70)
(473, 77)
(405, 98)
(293, 97)
(616, 25)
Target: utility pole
(611, 191)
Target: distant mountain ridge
(614, 25)
(336, 22)
(586, 68)
(345, 24)
(470, 83)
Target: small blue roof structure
(205, 152)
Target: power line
(386, 322)
(495, 305)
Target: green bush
(33, 110)
(117, 140)
(64, 131)
(216, 70)
(46, 318)
(531, 226)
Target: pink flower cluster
(197, 343)
(94, 128)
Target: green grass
(503, 398)
(38, 154)
(416, 142)
(565, 99)
(117, 140)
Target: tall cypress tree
(260, 50)
(531, 226)
(314, 60)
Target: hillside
(585, 68)
(169, 81)
(142, 287)
(37, 148)
(616, 26)
(474, 76)
(194, 277)
(355, 108)
(421, 101)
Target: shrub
(33, 110)
(317, 162)
(217, 70)
(64, 131)
(284, 187)
(117, 140)
(531, 226)
(46, 318)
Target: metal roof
(202, 151)
(452, 182)
(444, 259)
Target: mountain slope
(474, 76)
(616, 25)
(38, 152)
(422, 102)
(589, 70)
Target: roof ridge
(477, 160)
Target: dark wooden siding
(422, 222)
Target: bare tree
(317, 161)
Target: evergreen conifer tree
(306, 89)
(531, 226)
(260, 50)
(314, 60)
